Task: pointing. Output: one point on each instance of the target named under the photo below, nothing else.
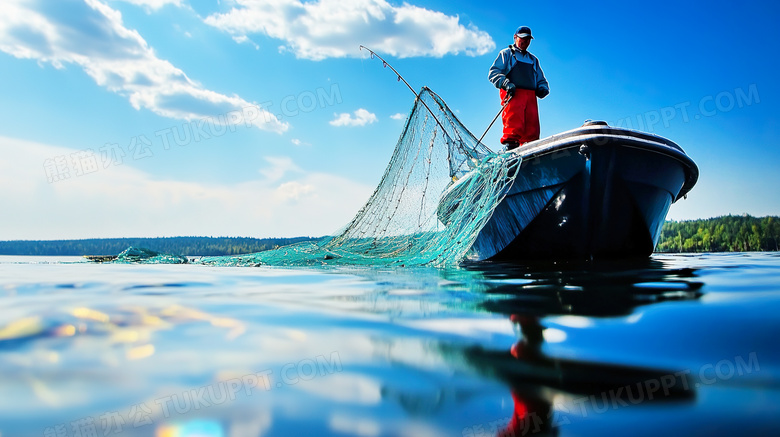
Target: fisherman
(516, 72)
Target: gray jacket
(508, 58)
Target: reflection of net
(437, 193)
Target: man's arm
(542, 87)
(499, 70)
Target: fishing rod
(503, 106)
(385, 64)
(416, 95)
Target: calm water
(678, 345)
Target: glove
(510, 88)
(542, 92)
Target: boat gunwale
(602, 136)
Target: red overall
(520, 117)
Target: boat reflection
(590, 289)
(548, 391)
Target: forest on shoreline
(730, 233)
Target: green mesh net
(146, 256)
(437, 193)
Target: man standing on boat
(516, 72)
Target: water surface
(677, 345)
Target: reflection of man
(516, 72)
(530, 347)
(533, 413)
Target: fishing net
(438, 191)
(146, 256)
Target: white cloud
(361, 118)
(121, 201)
(280, 165)
(293, 191)
(243, 39)
(91, 35)
(398, 116)
(153, 4)
(323, 29)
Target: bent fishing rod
(400, 78)
(416, 95)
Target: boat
(594, 192)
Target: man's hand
(510, 89)
(542, 92)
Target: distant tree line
(721, 234)
(192, 246)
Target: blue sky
(145, 118)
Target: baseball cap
(524, 32)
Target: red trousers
(520, 117)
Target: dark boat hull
(594, 192)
